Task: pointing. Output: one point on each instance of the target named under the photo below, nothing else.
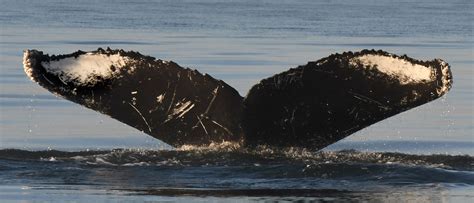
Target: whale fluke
(174, 104)
(310, 106)
(324, 101)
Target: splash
(229, 153)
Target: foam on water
(228, 170)
(228, 153)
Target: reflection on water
(64, 193)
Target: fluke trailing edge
(310, 106)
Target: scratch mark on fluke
(141, 115)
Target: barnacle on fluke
(310, 106)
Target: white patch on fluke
(405, 71)
(28, 64)
(85, 68)
(445, 79)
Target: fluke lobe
(310, 106)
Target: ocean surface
(52, 150)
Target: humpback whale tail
(310, 106)
(324, 101)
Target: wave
(226, 169)
(231, 154)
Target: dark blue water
(228, 172)
(54, 150)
